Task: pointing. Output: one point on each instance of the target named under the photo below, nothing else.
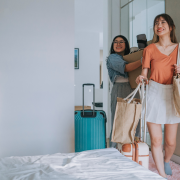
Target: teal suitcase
(90, 127)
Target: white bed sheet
(103, 164)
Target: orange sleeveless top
(161, 65)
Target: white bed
(100, 164)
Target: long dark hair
(171, 24)
(127, 48)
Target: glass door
(137, 17)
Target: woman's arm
(132, 66)
(176, 69)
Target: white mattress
(95, 164)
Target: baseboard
(175, 158)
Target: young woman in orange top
(161, 58)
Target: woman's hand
(143, 76)
(140, 78)
(176, 69)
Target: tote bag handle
(139, 88)
(131, 96)
(178, 59)
(143, 96)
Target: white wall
(115, 17)
(107, 38)
(124, 19)
(88, 38)
(89, 15)
(36, 77)
(111, 28)
(89, 62)
(112, 21)
(172, 8)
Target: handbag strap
(143, 97)
(131, 96)
(143, 116)
(178, 58)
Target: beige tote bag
(127, 115)
(176, 88)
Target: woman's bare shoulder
(175, 44)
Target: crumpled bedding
(101, 164)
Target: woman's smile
(118, 47)
(160, 29)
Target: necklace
(164, 47)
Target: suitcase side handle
(89, 84)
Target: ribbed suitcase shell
(90, 132)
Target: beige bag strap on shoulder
(176, 88)
(143, 126)
(178, 58)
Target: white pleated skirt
(160, 107)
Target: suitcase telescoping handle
(143, 97)
(89, 84)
